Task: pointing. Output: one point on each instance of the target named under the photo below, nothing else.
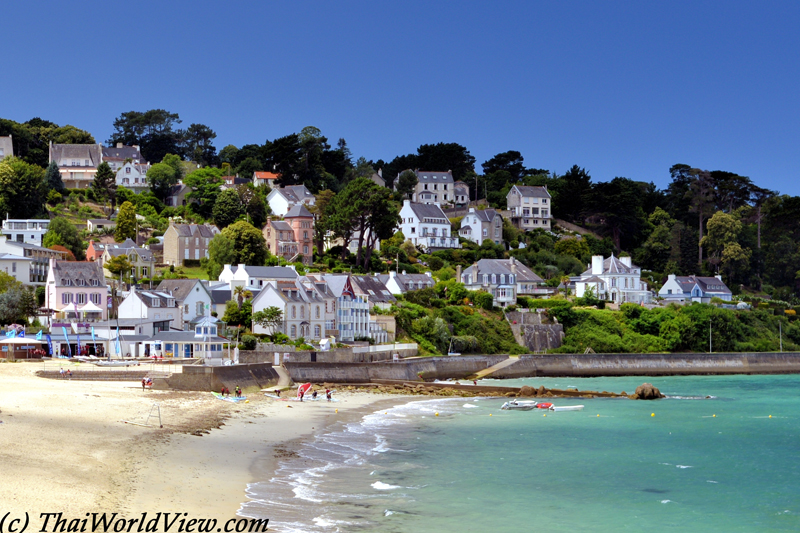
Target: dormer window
(95, 283)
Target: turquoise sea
(684, 469)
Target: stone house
(187, 241)
(505, 279)
(142, 260)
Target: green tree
(197, 138)
(154, 131)
(52, 178)
(511, 162)
(16, 305)
(575, 247)
(270, 318)
(722, 244)
(105, 184)
(119, 264)
(319, 210)
(249, 245)
(205, 184)
(227, 208)
(61, 232)
(406, 183)
(126, 222)
(445, 156)
(161, 177)
(657, 249)
(22, 189)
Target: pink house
(76, 289)
(302, 222)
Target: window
(94, 283)
(317, 332)
(186, 253)
(425, 187)
(294, 312)
(95, 298)
(305, 235)
(81, 298)
(13, 267)
(66, 298)
(199, 308)
(294, 331)
(302, 312)
(544, 200)
(186, 309)
(127, 170)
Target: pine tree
(52, 178)
(126, 222)
(105, 184)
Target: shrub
(484, 300)
(249, 342)
(54, 197)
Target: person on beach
(277, 393)
(69, 373)
(302, 393)
(144, 383)
(328, 394)
(314, 395)
(61, 371)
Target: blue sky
(620, 88)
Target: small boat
(520, 405)
(566, 408)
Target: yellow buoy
(337, 410)
(598, 416)
(770, 416)
(437, 414)
(386, 413)
(652, 414)
(544, 414)
(714, 416)
(490, 414)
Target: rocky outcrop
(646, 391)
(529, 331)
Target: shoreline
(209, 475)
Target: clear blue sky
(620, 88)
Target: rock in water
(646, 391)
(527, 391)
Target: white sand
(63, 447)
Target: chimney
(671, 277)
(471, 209)
(718, 277)
(380, 172)
(597, 264)
(429, 274)
(119, 145)
(626, 261)
(458, 273)
(404, 272)
(392, 274)
(406, 202)
(513, 266)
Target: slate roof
(122, 153)
(408, 282)
(268, 272)
(12, 257)
(532, 191)
(687, 283)
(77, 272)
(295, 193)
(424, 211)
(185, 336)
(179, 288)
(485, 215)
(429, 176)
(149, 297)
(281, 225)
(503, 266)
(92, 152)
(196, 230)
(298, 210)
(374, 288)
(461, 188)
(612, 265)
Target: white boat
(115, 363)
(567, 408)
(519, 405)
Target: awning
(90, 307)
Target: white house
(159, 307)
(29, 231)
(133, 176)
(302, 304)
(191, 296)
(615, 279)
(17, 266)
(283, 199)
(433, 187)
(255, 278)
(427, 225)
(683, 289)
(479, 225)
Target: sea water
(711, 459)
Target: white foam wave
(682, 466)
(709, 481)
(470, 406)
(384, 486)
(387, 512)
(666, 501)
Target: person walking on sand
(144, 383)
(328, 394)
(69, 373)
(314, 395)
(302, 393)
(61, 371)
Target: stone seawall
(213, 378)
(595, 365)
(407, 370)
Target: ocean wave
(384, 486)
(683, 466)
(469, 406)
(666, 501)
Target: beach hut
(20, 348)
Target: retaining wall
(594, 365)
(213, 378)
(336, 355)
(408, 369)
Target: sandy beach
(66, 448)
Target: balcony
(429, 241)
